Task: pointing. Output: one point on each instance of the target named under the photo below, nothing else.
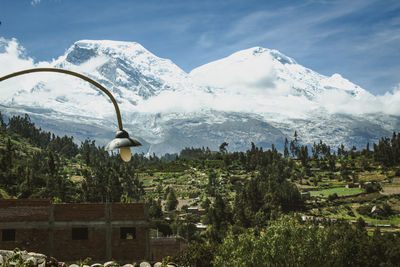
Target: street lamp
(122, 140)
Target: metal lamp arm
(73, 74)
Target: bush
(372, 188)
(333, 196)
(365, 210)
(291, 243)
(351, 213)
(197, 254)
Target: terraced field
(340, 191)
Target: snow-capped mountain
(255, 95)
(126, 67)
(258, 69)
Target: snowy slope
(264, 81)
(124, 65)
(128, 70)
(257, 70)
(255, 95)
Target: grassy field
(340, 191)
(391, 190)
(375, 175)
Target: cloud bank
(35, 2)
(255, 91)
(29, 89)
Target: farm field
(340, 191)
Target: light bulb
(125, 153)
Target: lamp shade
(122, 140)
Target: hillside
(209, 197)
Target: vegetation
(339, 191)
(37, 164)
(311, 205)
(288, 242)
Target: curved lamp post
(122, 140)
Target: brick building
(162, 247)
(71, 232)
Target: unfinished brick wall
(123, 211)
(18, 210)
(34, 239)
(48, 228)
(80, 212)
(162, 247)
(129, 248)
(67, 249)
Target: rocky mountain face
(255, 95)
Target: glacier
(255, 95)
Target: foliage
(44, 172)
(339, 191)
(155, 209)
(193, 153)
(372, 187)
(197, 255)
(387, 151)
(264, 196)
(287, 242)
(172, 201)
(249, 190)
(219, 216)
(333, 196)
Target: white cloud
(241, 75)
(337, 101)
(390, 101)
(272, 104)
(205, 41)
(13, 60)
(252, 23)
(250, 87)
(35, 2)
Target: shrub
(372, 188)
(332, 197)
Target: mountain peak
(265, 69)
(258, 51)
(109, 45)
(127, 68)
(83, 50)
(131, 53)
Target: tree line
(37, 164)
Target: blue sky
(358, 39)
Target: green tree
(172, 201)
(155, 209)
(197, 255)
(222, 147)
(285, 149)
(294, 146)
(289, 242)
(219, 216)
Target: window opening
(128, 232)
(8, 235)
(80, 233)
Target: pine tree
(172, 201)
(222, 147)
(294, 146)
(286, 150)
